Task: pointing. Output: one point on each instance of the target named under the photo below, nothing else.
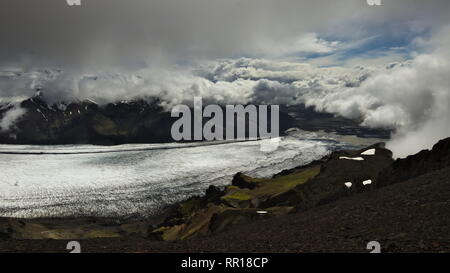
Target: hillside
(306, 209)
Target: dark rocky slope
(414, 165)
(300, 189)
(305, 209)
(412, 216)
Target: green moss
(250, 179)
(239, 195)
(102, 234)
(168, 233)
(284, 183)
(271, 186)
(231, 188)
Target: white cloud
(307, 43)
(10, 117)
(113, 59)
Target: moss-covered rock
(238, 199)
(199, 216)
(266, 188)
(241, 180)
(214, 219)
(197, 224)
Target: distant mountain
(86, 122)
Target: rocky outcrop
(218, 210)
(241, 180)
(341, 174)
(414, 165)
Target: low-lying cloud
(411, 97)
(11, 117)
(177, 50)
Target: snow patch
(352, 158)
(367, 182)
(369, 152)
(92, 101)
(39, 110)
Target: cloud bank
(386, 67)
(122, 35)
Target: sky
(386, 65)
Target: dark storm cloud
(133, 33)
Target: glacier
(135, 180)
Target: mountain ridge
(86, 122)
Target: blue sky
(379, 42)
